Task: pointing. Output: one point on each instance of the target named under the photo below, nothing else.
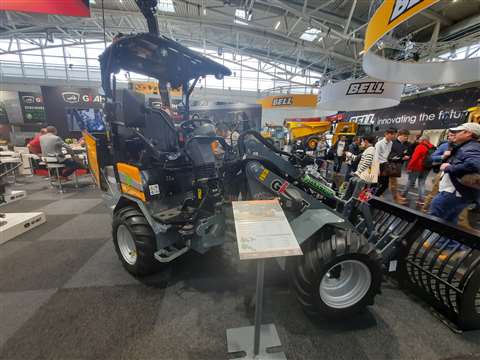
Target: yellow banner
(281, 101)
(391, 14)
(151, 88)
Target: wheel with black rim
(134, 241)
(339, 274)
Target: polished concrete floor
(65, 295)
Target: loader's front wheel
(339, 274)
(134, 241)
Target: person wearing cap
(453, 196)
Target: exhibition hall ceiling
(324, 37)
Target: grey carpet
(65, 295)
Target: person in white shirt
(382, 151)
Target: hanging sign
(282, 101)
(391, 14)
(359, 94)
(388, 16)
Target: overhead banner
(33, 110)
(151, 88)
(56, 7)
(388, 16)
(283, 101)
(359, 94)
(440, 111)
(431, 73)
(391, 14)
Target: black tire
(469, 301)
(143, 237)
(332, 246)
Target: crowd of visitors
(379, 164)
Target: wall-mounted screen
(67, 7)
(85, 119)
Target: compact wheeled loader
(167, 189)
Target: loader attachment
(436, 260)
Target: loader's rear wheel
(134, 241)
(339, 274)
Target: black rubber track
(330, 246)
(143, 237)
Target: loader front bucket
(437, 260)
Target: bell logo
(402, 6)
(71, 97)
(282, 101)
(367, 119)
(361, 88)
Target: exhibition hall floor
(65, 295)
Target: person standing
(416, 169)
(439, 156)
(454, 194)
(351, 155)
(339, 151)
(321, 151)
(398, 155)
(382, 151)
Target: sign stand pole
(255, 340)
(258, 304)
(262, 231)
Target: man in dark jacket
(453, 196)
(398, 155)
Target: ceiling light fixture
(277, 25)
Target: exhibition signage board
(33, 109)
(67, 7)
(439, 111)
(280, 101)
(359, 94)
(391, 14)
(61, 101)
(263, 230)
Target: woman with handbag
(368, 168)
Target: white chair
(54, 164)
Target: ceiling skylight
(166, 6)
(241, 17)
(310, 34)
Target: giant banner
(440, 111)
(391, 14)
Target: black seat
(160, 130)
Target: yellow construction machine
(307, 132)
